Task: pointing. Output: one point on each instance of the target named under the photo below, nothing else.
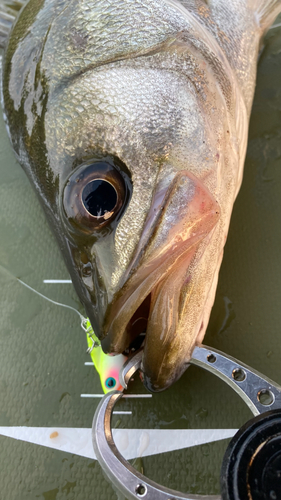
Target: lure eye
(95, 193)
(110, 382)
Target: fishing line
(82, 318)
(85, 323)
(274, 26)
(51, 300)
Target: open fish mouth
(152, 298)
(137, 326)
(154, 323)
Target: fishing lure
(107, 366)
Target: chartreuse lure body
(107, 366)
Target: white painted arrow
(131, 443)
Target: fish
(130, 118)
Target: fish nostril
(87, 270)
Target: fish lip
(154, 387)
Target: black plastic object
(251, 468)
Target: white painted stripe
(133, 396)
(91, 395)
(131, 443)
(122, 412)
(137, 395)
(57, 281)
(89, 363)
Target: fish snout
(151, 300)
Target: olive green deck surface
(42, 347)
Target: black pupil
(110, 382)
(99, 197)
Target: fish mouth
(154, 322)
(151, 299)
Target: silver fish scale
(82, 40)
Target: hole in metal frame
(141, 490)
(211, 358)
(238, 374)
(266, 397)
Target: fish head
(132, 218)
(117, 151)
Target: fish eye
(110, 382)
(95, 193)
(99, 198)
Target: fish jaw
(188, 216)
